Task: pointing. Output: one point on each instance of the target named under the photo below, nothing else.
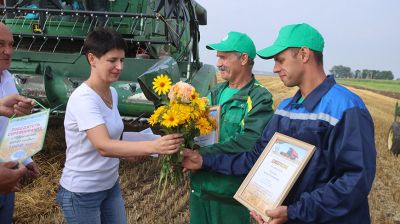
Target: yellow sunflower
(159, 110)
(183, 111)
(194, 95)
(204, 126)
(162, 84)
(153, 120)
(170, 119)
(156, 115)
(201, 103)
(194, 112)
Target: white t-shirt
(85, 169)
(7, 87)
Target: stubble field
(36, 202)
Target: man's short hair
(318, 55)
(250, 60)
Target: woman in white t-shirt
(89, 187)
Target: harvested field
(36, 202)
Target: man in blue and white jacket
(334, 186)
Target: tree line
(340, 71)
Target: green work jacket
(243, 118)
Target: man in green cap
(334, 186)
(246, 107)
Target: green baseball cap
(294, 35)
(235, 41)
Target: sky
(360, 34)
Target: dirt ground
(36, 202)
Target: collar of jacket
(241, 95)
(315, 96)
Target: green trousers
(206, 211)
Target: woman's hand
(167, 144)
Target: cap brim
(219, 47)
(270, 52)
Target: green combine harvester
(162, 38)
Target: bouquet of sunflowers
(182, 111)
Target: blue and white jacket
(334, 186)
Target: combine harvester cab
(162, 38)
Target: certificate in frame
(213, 137)
(274, 174)
(24, 136)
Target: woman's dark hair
(101, 40)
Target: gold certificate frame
(274, 173)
